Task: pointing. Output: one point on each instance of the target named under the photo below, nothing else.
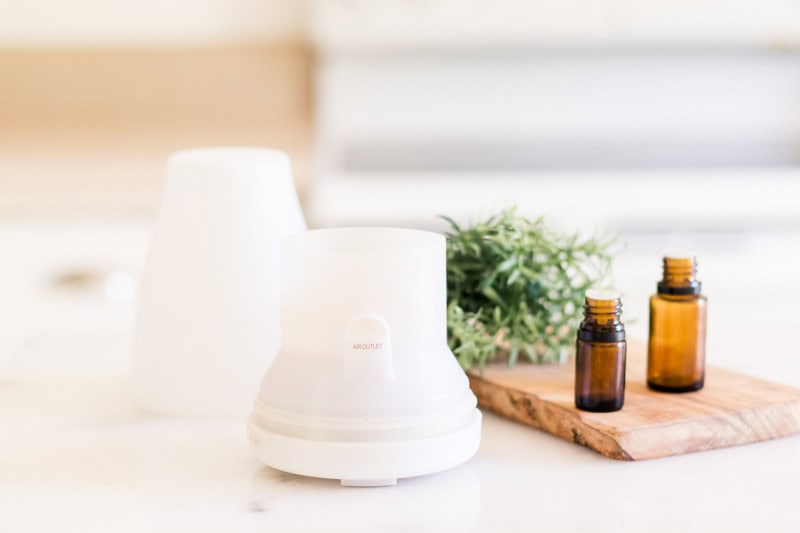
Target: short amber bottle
(600, 354)
(676, 355)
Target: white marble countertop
(76, 455)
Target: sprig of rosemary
(516, 287)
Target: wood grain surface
(732, 409)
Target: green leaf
(507, 265)
(453, 225)
(492, 295)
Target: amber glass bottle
(600, 354)
(677, 349)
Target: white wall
(43, 23)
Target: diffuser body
(364, 387)
(208, 321)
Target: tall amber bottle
(600, 354)
(676, 356)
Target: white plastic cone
(209, 306)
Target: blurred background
(669, 123)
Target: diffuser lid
(208, 320)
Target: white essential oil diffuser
(209, 306)
(364, 388)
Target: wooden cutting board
(731, 409)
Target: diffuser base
(370, 483)
(359, 463)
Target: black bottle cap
(601, 336)
(682, 290)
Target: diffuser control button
(367, 349)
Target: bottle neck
(679, 277)
(601, 322)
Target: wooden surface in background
(93, 127)
(732, 409)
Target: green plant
(515, 287)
